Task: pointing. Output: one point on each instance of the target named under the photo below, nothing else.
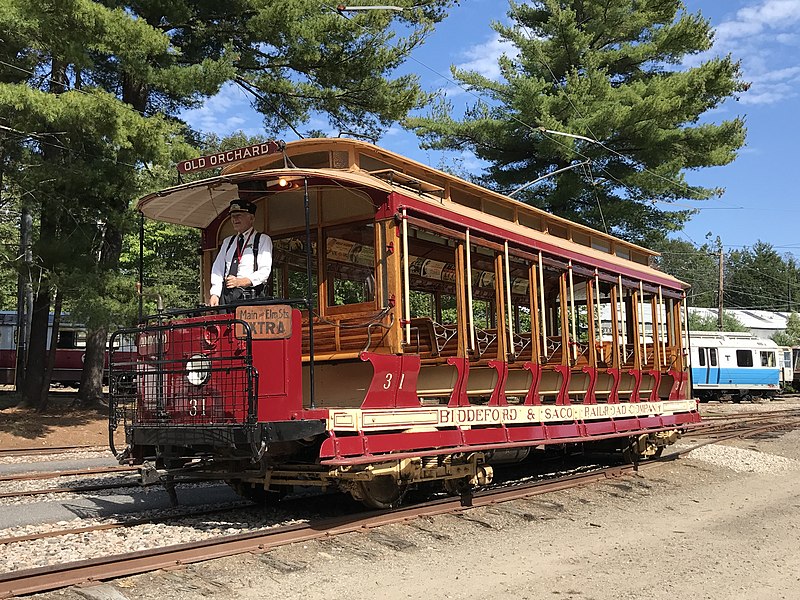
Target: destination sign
(273, 322)
(230, 156)
(469, 416)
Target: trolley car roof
(199, 203)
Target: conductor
(244, 262)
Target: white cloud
(779, 75)
(771, 12)
(755, 35)
(483, 57)
(770, 87)
(756, 19)
(227, 112)
(790, 39)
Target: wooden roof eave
(198, 203)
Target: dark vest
(238, 294)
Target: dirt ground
(688, 529)
(61, 425)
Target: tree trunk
(90, 394)
(48, 231)
(51, 354)
(37, 350)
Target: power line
(38, 136)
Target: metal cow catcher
(419, 329)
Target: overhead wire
(37, 136)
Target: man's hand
(213, 301)
(232, 282)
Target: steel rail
(48, 450)
(58, 576)
(33, 475)
(68, 490)
(123, 524)
(111, 567)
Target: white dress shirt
(227, 251)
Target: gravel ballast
(722, 522)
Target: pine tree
(699, 267)
(610, 73)
(90, 93)
(760, 278)
(84, 146)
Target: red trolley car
(419, 329)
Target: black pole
(141, 266)
(309, 294)
(23, 308)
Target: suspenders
(255, 249)
(231, 295)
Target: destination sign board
(470, 416)
(271, 322)
(219, 159)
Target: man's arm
(217, 271)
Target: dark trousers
(241, 294)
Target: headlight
(198, 369)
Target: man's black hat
(239, 205)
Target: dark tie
(235, 262)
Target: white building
(762, 324)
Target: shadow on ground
(60, 414)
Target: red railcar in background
(419, 329)
(70, 351)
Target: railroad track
(744, 424)
(67, 473)
(111, 567)
(33, 451)
(58, 576)
(70, 489)
(44, 475)
(125, 524)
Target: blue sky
(760, 201)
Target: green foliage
(301, 57)
(171, 263)
(89, 97)
(760, 278)
(699, 322)
(791, 335)
(755, 278)
(699, 267)
(10, 261)
(606, 71)
(90, 91)
(81, 148)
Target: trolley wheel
(459, 487)
(632, 453)
(381, 493)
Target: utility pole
(721, 288)
(788, 289)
